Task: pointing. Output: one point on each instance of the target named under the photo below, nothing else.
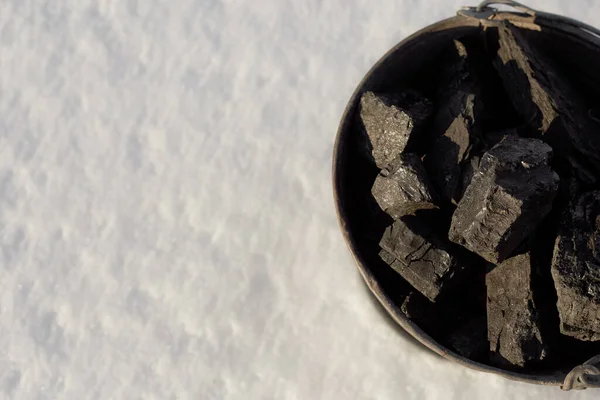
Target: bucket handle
(485, 11)
(583, 376)
(517, 6)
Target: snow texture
(167, 227)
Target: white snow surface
(167, 226)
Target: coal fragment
(463, 102)
(509, 195)
(420, 310)
(403, 187)
(458, 317)
(494, 137)
(451, 149)
(443, 318)
(456, 73)
(499, 112)
(469, 170)
(412, 250)
(455, 130)
(391, 123)
(470, 339)
(554, 110)
(513, 320)
(576, 268)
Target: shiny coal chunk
(513, 319)
(411, 249)
(576, 268)
(403, 187)
(555, 111)
(509, 195)
(455, 129)
(391, 123)
(452, 145)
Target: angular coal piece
(451, 149)
(403, 187)
(465, 103)
(458, 317)
(470, 339)
(509, 195)
(469, 170)
(421, 311)
(411, 249)
(543, 97)
(459, 94)
(513, 320)
(390, 123)
(493, 138)
(499, 112)
(576, 268)
(374, 220)
(434, 318)
(455, 130)
(456, 72)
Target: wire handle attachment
(583, 376)
(484, 5)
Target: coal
(544, 98)
(509, 195)
(452, 148)
(403, 187)
(513, 320)
(494, 137)
(432, 316)
(459, 92)
(457, 319)
(422, 312)
(469, 170)
(470, 339)
(411, 249)
(576, 268)
(456, 74)
(498, 112)
(455, 130)
(391, 123)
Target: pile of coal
(502, 149)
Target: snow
(167, 222)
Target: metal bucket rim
(546, 20)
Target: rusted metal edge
(490, 17)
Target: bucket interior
(413, 66)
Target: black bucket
(572, 43)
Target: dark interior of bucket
(415, 66)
